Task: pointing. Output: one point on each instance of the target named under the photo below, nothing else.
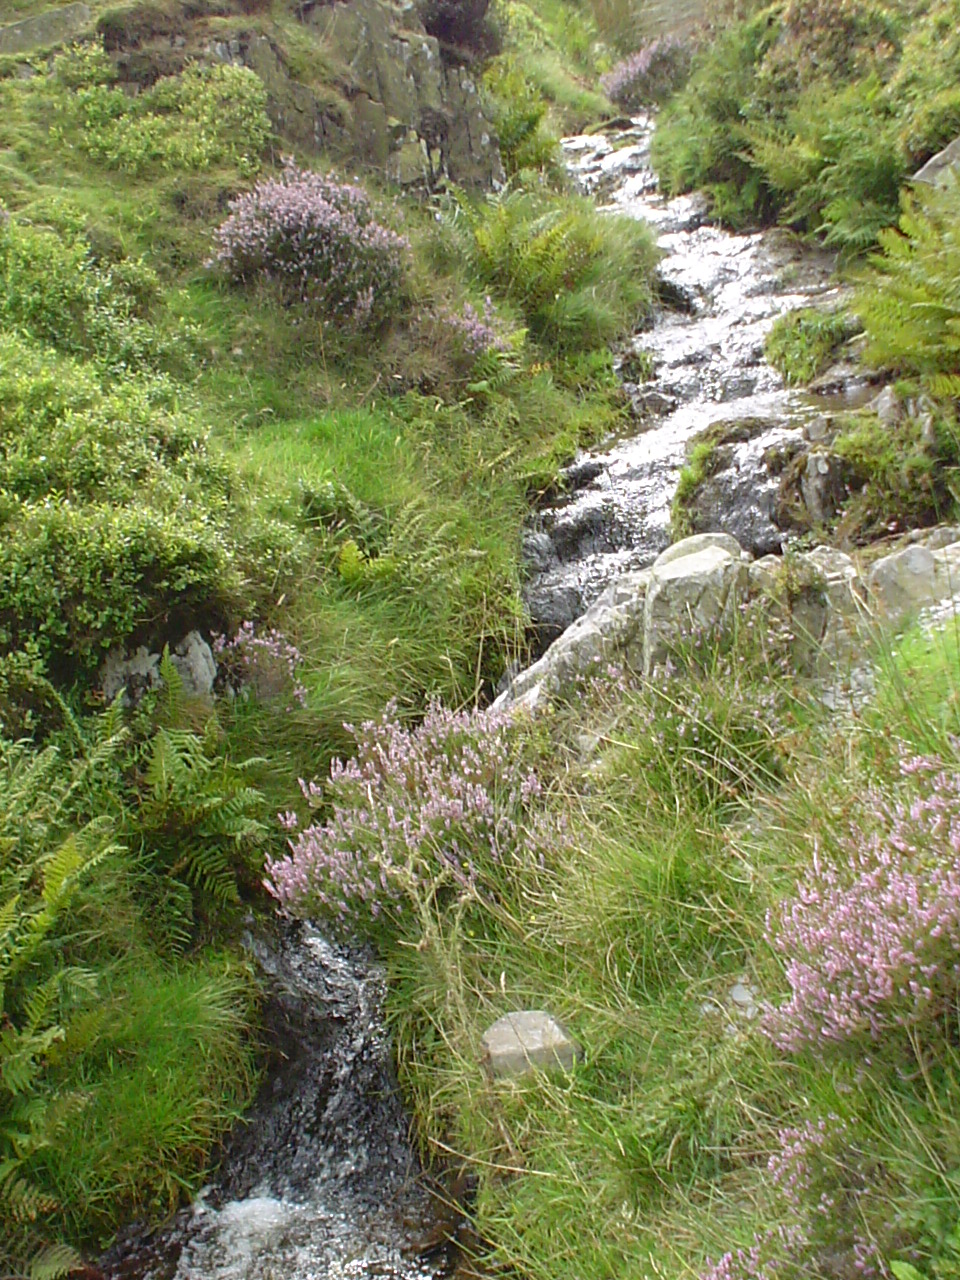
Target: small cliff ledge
(361, 81)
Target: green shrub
(519, 115)
(910, 300)
(52, 288)
(115, 514)
(117, 1071)
(206, 116)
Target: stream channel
(321, 1181)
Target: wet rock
(822, 486)
(820, 430)
(553, 606)
(579, 474)
(529, 1040)
(938, 170)
(694, 585)
(537, 551)
(610, 631)
(133, 675)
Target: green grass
(802, 343)
(650, 1157)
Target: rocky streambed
(705, 347)
(321, 1181)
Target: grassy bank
(183, 447)
(711, 881)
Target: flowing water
(321, 1182)
(707, 348)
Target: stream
(726, 290)
(321, 1181)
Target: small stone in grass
(526, 1041)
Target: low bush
(206, 116)
(910, 301)
(52, 288)
(581, 279)
(116, 516)
(815, 114)
(649, 76)
(110, 1055)
(870, 940)
(319, 238)
(416, 814)
(519, 113)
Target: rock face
(527, 1041)
(698, 583)
(46, 30)
(133, 675)
(394, 106)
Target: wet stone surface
(320, 1182)
(708, 368)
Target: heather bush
(263, 662)
(321, 240)
(649, 76)
(815, 1191)
(870, 939)
(414, 813)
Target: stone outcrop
(829, 600)
(526, 1041)
(46, 30)
(938, 169)
(133, 675)
(695, 585)
(392, 102)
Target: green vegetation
(814, 114)
(802, 343)
(660, 856)
(178, 450)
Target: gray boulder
(45, 30)
(131, 675)
(938, 169)
(696, 584)
(194, 662)
(611, 630)
(529, 1040)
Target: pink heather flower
(267, 660)
(320, 239)
(871, 942)
(446, 798)
(648, 75)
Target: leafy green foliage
(206, 116)
(519, 114)
(580, 279)
(815, 113)
(52, 288)
(910, 301)
(115, 512)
